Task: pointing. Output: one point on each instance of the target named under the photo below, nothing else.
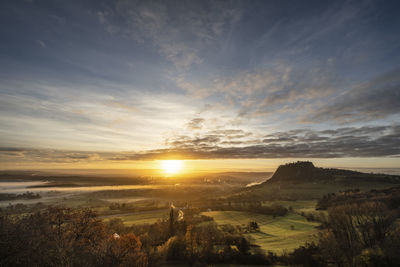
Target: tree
(353, 228)
(125, 251)
(174, 249)
(243, 246)
(191, 240)
(253, 226)
(171, 222)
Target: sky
(234, 84)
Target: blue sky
(133, 80)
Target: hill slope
(302, 180)
(305, 172)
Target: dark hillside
(389, 196)
(305, 172)
(302, 180)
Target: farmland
(277, 234)
(141, 217)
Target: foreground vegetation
(358, 232)
(311, 223)
(71, 237)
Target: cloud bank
(377, 141)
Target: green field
(277, 234)
(141, 217)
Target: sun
(171, 166)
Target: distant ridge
(305, 172)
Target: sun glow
(171, 166)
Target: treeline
(390, 196)
(22, 208)
(11, 196)
(251, 206)
(132, 207)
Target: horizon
(158, 172)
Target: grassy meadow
(140, 217)
(276, 234)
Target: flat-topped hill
(305, 171)
(302, 180)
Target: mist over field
(199, 133)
